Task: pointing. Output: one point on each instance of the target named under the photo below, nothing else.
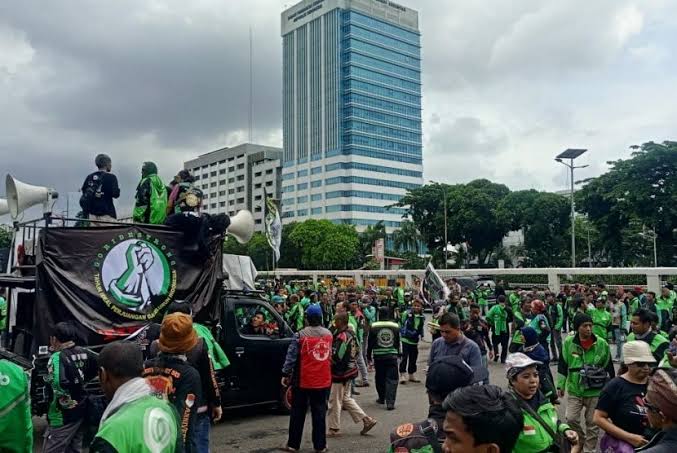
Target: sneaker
(362, 384)
(369, 423)
(412, 378)
(403, 380)
(390, 406)
(287, 448)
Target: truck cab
(255, 371)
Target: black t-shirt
(478, 331)
(105, 186)
(624, 403)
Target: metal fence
(650, 277)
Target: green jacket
(216, 354)
(3, 313)
(146, 425)
(16, 425)
(601, 320)
(634, 305)
(498, 318)
(295, 317)
(151, 201)
(560, 317)
(573, 358)
(514, 300)
(357, 326)
(482, 296)
(534, 437)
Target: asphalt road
(261, 431)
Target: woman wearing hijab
(535, 351)
(542, 429)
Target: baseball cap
(314, 310)
(277, 300)
(449, 373)
(637, 351)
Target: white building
(235, 178)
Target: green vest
(158, 202)
(148, 424)
(657, 341)
(534, 437)
(16, 425)
(574, 357)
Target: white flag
(273, 225)
(433, 288)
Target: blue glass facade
(351, 109)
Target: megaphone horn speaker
(21, 196)
(241, 226)
(4, 207)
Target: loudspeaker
(242, 226)
(21, 196)
(4, 207)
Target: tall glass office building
(351, 110)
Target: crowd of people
(162, 394)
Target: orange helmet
(537, 306)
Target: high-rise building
(351, 110)
(234, 178)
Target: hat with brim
(637, 351)
(518, 362)
(177, 335)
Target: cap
(517, 362)
(637, 351)
(177, 334)
(314, 310)
(277, 300)
(449, 373)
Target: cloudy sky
(507, 85)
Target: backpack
(93, 191)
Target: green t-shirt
(3, 313)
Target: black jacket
(172, 376)
(105, 187)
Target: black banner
(114, 280)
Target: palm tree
(407, 237)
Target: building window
(316, 197)
(222, 161)
(257, 174)
(212, 195)
(257, 221)
(230, 159)
(240, 200)
(231, 191)
(269, 172)
(213, 206)
(212, 173)
(213, 184)
(257, 209)
(257, 186)
(205, 186)
(316, 211)
(302, 186)
(301, 173)
(315, 170)
(303, 199)
(205, 175)
(240, 166)
(370, 181)
(231, 180)
(222, 193)
(287, 189)
(269, 183)
(231, 202)
(231, 169)
(222, 182)
(222, 171)
(197, 177)
(288, 176)
(206, 196)
(302, 212)
(316, 184)
(222, 204)
(240, 189)
(240, 156)
(257, 197)
(240, 178)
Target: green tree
(639, 193)
(407, 237)
(290, 254)
(324, 245)
(472, 215)
(5, 236)
(544, 219)
(370, 235)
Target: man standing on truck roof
(16, 425)
(69, 368)
(98, 191)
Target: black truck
(254, 374)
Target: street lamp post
(572, 154)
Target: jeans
(501, 339)
(362, 366)
(556, 344)
(386, 378)
(300, 400)
(619, 338)
(575, 406)
(201, 432)
(409, 357)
